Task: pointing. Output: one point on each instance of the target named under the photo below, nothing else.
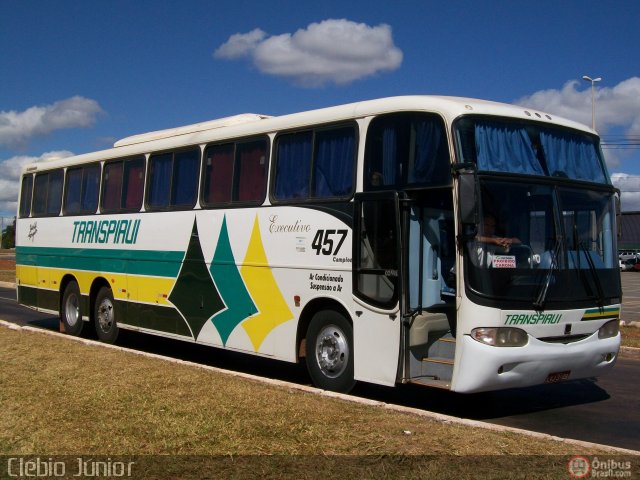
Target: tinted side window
(48, 193)
(293, 166)
(235, 173)
(315, 164)
(406, 149)
(25, 195)
(160, 167)
(81, 190)
(173, 179)
(123, 185)
(111, 186)
(333, 165)
(251, 171)
(218, 183)
(73, 191)
(184, 187)
(133, 184)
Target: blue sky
(77, 75)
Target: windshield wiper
(594, 272)
(538, 304)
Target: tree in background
(9, 235)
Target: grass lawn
(61, 397)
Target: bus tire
(330, 351)
(105, 316)
(71, 310)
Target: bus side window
(406, 149)
(123, 185)
(25, 196)
(334, 162)
(48, 194)
(293, 166)
(235, 173)
(173, 179)
(133, 184)
(81, 190)
(251, 171)
(184, 184)
(218, 174)
(318, 164)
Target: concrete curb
(438, 417)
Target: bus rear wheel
(70, 309)
(105, 316)
(330, 351)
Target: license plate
(557, 376)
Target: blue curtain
(185, 178)
(293, 166)
(160, 180)
(73, 191)
(333, 175)
(54, 197)
(571, 156)
(505, 148)
(429, 167)
(90, 187)
(389, 155)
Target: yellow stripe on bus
(153, 290)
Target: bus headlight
(500, 336)
(609, 329)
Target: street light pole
(593, 98)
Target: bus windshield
(530, 148)
(543, 245)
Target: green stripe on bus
(135, 262)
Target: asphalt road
(630, 296)
(604, 410)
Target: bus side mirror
(468, 201)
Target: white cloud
(18, 128)
(617, 107)
(629, 186)
(335, 51)
(10, 180)
(240, 45)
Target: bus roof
(249, 124)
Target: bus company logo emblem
(578, 466)
(106, 231)
(33, 229)
(533, 319)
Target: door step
(432, 382)
(438, 360)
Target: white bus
(448, 242)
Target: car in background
(627, 254)
(629, 264)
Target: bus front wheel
(330, 351)
(105, 317)
(70, 310)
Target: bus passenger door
(376, 283)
